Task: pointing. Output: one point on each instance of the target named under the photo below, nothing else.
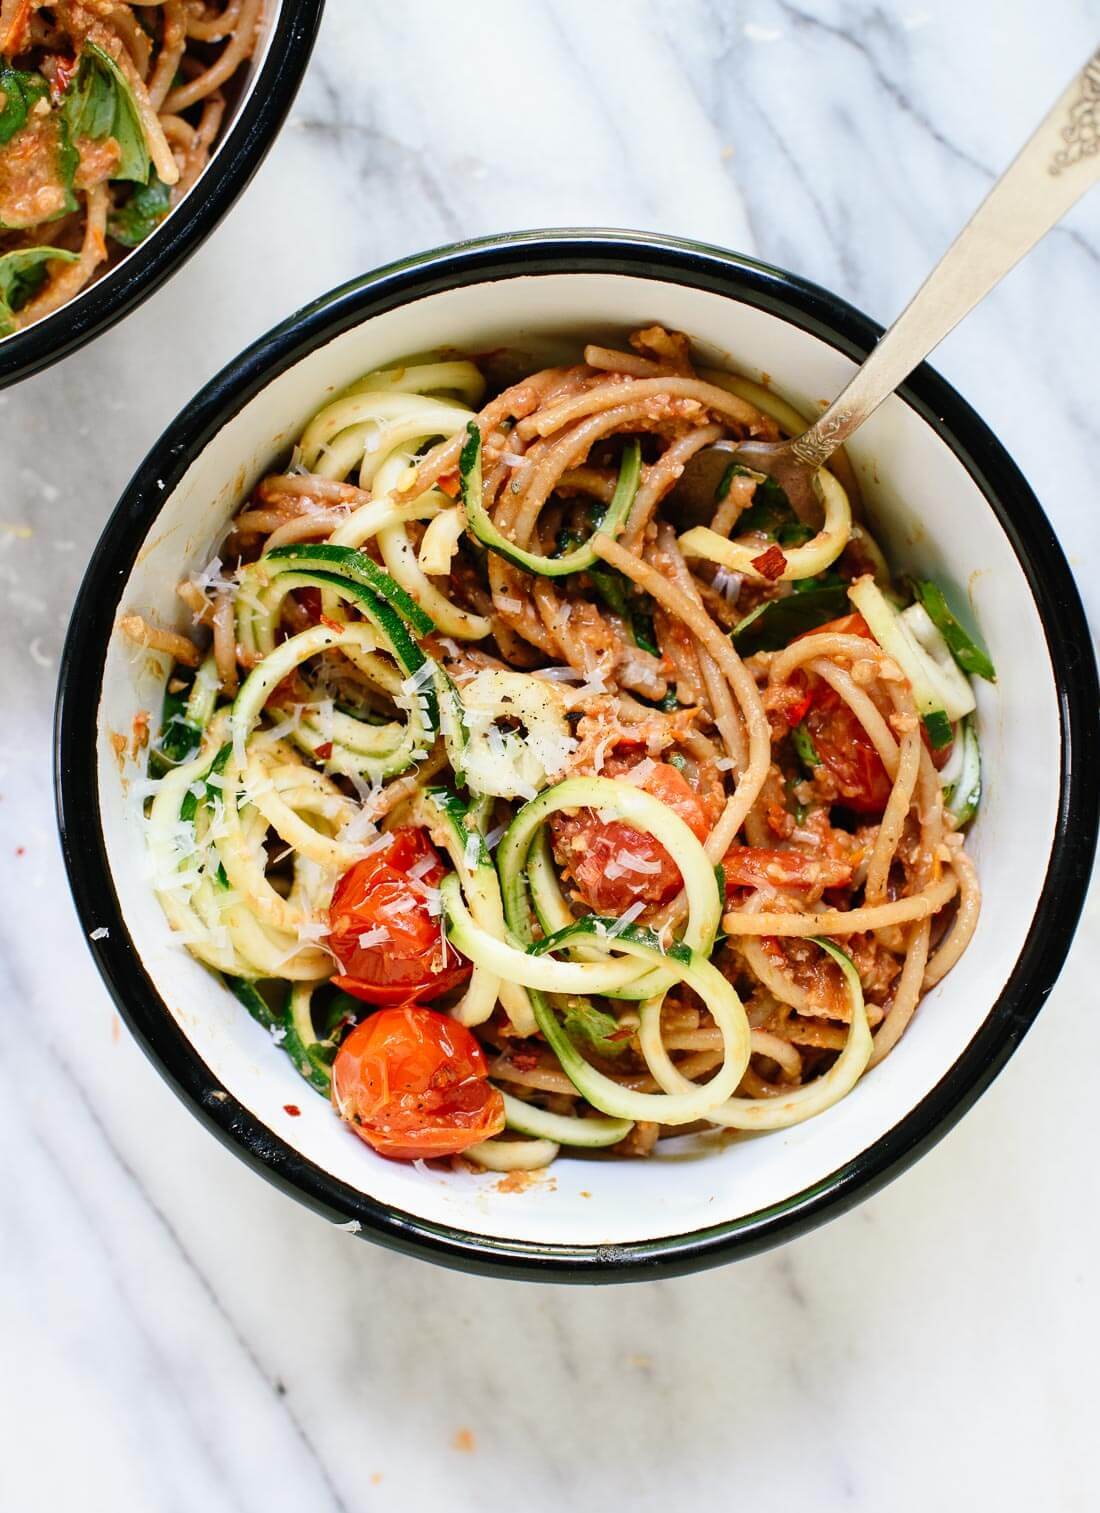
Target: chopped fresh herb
(775, 623)
(967, 653)
(19, 91)
(804, 747)
(616, 592)
(645, 637)
(22, 274)
(612, 589)
(823, 580)
(735, 470)
(99, 103)
(769, 511)
(799, 810)
(585, 1024)
(795, 533)
(179, 737)
(669, 702)
(142, 213)
(678, 761)
(720, 879)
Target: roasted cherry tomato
(388, 942)
(612, 864)
(413, 1083)
(846, 750)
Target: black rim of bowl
(238, 154)
(753, 283)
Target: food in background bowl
(108, 112)
(524, 818)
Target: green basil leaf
(99, 103)
(585, 1024)
(769, 511)
(19, 92)
(612, 588)
(966, 651)
(735, 470)
(804, 747)
(775, 623)
(22, 274)
(142, 213)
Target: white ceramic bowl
(945, 500)
(259, 96)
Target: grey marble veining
(179, 1336)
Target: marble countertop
(177, 1335)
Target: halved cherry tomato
(846, 750)
(413, 1083)
(757, 867)
(599, 854)
(412, 961)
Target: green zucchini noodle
(108, 114)
(689, 825)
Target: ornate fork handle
(1052, 171)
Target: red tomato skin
(846, 750)
(414, 962)
(588, 844)
(413, 1084)
(847, 625)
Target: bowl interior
(929, 515)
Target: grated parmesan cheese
(627, 917)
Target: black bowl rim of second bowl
(238, 153)
(796, 301)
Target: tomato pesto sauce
(530, 822)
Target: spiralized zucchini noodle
(525, 814)
(108, 112)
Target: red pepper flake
(624, 1034)
(332, 624)
(324, 751)
(449, 484)
(292, 1109)
(20, 850)
(60, 76)
(524, 1061)
(771, 564)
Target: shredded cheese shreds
(627, 917)
(422, 675)
(630, 861)
(374, 937)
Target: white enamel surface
(931, 516)
(178, 1335)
